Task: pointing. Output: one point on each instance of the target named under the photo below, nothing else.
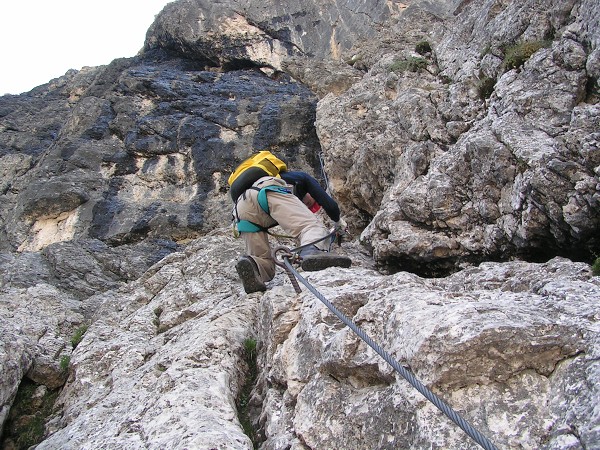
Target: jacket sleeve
(322, 198)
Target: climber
(265, 194)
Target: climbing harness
(285, 262)
(246, 226)
(262, 195)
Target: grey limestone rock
(142, 148)
(453, 134)
(437, 174)
(485, 339)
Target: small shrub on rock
(516, 55)
(411, 64)
(423, 47)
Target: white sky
(43, 39)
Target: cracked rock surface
(504, 343)
(460, 139)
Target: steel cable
(406, 374)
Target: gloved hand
(341, 226)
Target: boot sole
(320, 262)
(250, 279)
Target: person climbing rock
(266, 194)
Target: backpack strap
(262, 195)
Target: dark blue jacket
(304, 184)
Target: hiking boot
(250, 276)
(314, 259)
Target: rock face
(141, 151)
(478, 153)
(513, 347)
(452, 133)
(168, 375)
(488, 337)
(307, 39)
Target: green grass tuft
(65, 361)
(412, 64)
(596, 267)
(78, 335)
(250, 348)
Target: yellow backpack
(264, 160)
